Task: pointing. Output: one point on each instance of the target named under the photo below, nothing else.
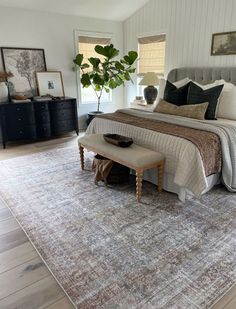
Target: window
(86, 46)
(152, 54)
(151, 51)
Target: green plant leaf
(119, 81)
(133, 55)
(110, 51)
(85, 80)
(119, 65)
(112, 84)
(99, 49)
(127, 60)
(121, 76)
(94, 61)
(131, 70)
(127, 76)
(98, 88)
(79, 59)
(106, 77)
(98, 80)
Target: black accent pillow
(197, 95)
(174, 95)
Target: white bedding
(184, 167)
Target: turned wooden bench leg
(81, 151)
(139, 178)
(160, 176)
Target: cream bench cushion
(134, 156)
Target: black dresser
(35, 120)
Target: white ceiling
(117, 10)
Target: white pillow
(227, 101)
(182, 82)
(208, 86)
(162, 85)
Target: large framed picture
(50, 83)
(223, 43)
(23, 63)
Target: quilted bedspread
(183, 157)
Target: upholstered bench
(135, 157)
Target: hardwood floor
(25, 281)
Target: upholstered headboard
(204, 75)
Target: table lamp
(150, 80)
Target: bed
(184, 169)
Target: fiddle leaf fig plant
(106, 74)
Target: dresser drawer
(22, 114)
(19, 120)
(44, 130)
(42, 117)
(23, 132)
(62, 114)
(21, 108)
(41, 106)
(63, 126)
(62, 104)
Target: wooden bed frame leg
(81, 151)
(139, 177)
(160, 176)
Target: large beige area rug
(107, 251)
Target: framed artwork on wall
(23, 63)
(50, 83)
(223, 43)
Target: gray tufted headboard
(204, 75)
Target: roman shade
(151, 54)
(87, 44)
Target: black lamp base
(150, 94)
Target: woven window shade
(152, 54)
(86, 47)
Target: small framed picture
(223, 43)
(50, 83)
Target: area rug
(107, 251)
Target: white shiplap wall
(189, 25)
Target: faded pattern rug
(107, 251)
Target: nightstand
(147, 107)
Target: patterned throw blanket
(208, 143)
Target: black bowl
(118, 140)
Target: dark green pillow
(174, 95)
(197, 95)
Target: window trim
(95, 34)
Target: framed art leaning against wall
(23, 63)
(223, 43)
(50, 83)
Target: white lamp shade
(149, 79)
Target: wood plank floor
(25, 281)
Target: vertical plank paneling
(189, 25)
